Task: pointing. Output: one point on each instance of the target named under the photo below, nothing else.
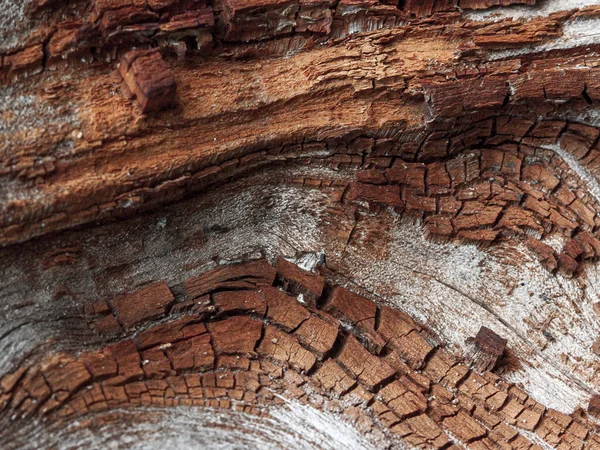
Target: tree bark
(315, 224)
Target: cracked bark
(281, 224)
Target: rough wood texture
(238, 358)
(299, 224)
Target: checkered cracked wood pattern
(419, 81)
(241, 341)
(399, 141)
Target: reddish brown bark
(154, 152)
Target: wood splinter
(594, 406)
(148, 79)
(485, 350)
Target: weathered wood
(357, 224)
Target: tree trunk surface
(329, 224)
